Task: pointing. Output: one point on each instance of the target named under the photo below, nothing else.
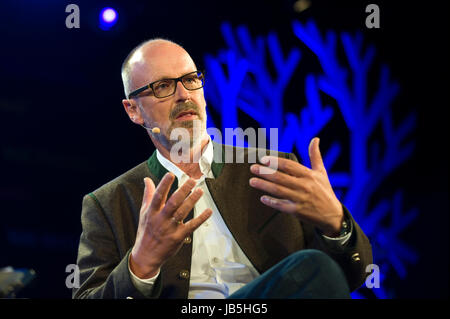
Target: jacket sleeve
(353, 257)
(103, 273)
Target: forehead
(156, 61)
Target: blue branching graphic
(239, 78)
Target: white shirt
(219, 267)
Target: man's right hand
(161, 232)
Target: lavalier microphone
(154, 130)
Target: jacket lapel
(158, 171)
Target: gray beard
(193, 140)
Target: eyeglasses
(167, 87)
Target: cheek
(201, 102)
(158, 114)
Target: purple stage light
(108, 17)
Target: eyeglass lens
(191, 81)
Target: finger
(283, 205)
(315, 156)
(160, 195)
(288, 166)
(149, 190)
(187, 205)
(178, 198)
(196, 222)
(276, 177)
(274, 189)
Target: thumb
(315, 156)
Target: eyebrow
(163, 78)
(169, 77)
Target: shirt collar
(205, 162)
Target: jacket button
(188, 240)
(355, 257)
(184, 274)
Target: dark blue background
(64, 133)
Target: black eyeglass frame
(180, 79)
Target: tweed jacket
(110, 218)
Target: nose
(181, 92)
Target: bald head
(152, 60)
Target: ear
(133, 111)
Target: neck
(192, 168)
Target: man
(203, 228)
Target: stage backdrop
(375, 96)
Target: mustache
(181, 107)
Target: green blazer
(110, 217)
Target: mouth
(186, 116)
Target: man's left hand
(300, 191)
